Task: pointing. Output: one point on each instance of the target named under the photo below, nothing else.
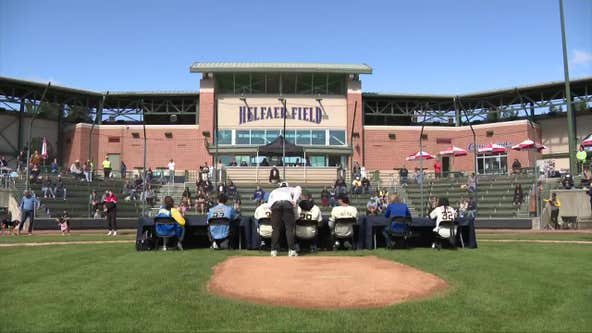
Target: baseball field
(511, 283)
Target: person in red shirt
(438, 169)
(110, 205)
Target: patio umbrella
(420, 155)
(587, 141)
(492, 148)
(529, 145)
(454, 151)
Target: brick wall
(384, 153)
(354, 95)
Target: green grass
(111, 287)
(58, 237)
(540, 236)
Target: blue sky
(422, 46)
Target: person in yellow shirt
(581, 156)
(106, 167)
(554, 205)
(168, 210)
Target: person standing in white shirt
(283, 203)
(171, 166)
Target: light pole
(476, 192)
(35, 113)
(144, 169)
(285, 114)
(571, 118)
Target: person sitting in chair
(220, 211)
(395, 209)
(341, 211)
(442, 213)
(168, 210)
(309, 212)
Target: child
(64, 222)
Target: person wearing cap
(283, 203)
(341, 211)
(308, 211)
(106, 167)
(28, 205)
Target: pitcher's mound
(321, 282)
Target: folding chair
(446, 231)
(343, 232)
(397, 232)
(223, 239)
(307, 230)
(164, 228)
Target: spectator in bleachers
(516, 167)
(106, 168)
(34, 174)
(149, 195)
(21, 161)
(438, 169)
(325, 197)
(471, 208)
(274, 175)
(581, 156)
(357, 185)
(207, 186)
(373, 206)
(221, 188)
(149, 176)
(471, 185)
(54, 167)
(171, 168)
(237, 203)
(93, 200)
(518, 196)
(47, 188)
(200, 202)
(356, 170)
(35, 158)
(186, 193)
(204, 171)
(231, 190)
(243, 163)
(365, 185)
(87, 171)
(233, 163)
(184, 205)
(258, 195)
(567, 182)
(123, 170)
(403, 176)
(76, 170)
(418, 176)
(59, 189)
(340, 187)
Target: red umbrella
(529, 145)
(587, 142)
(454, 151)
(492, 148)
(420, 156)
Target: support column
(20, 125)
(60, 145)
(355, 114)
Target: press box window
(336, 138)
(243, 137)
(318, 138)
(225, 137)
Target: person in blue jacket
(396, 208)
(169, 210)
(220, 232)
(28, 205)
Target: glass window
(290, 136)
(271, 135)
(288, 83)
(336, 84)
(303, 137)
(317, 161)
(242, 83)
(258, 83)
(243, 137)
(320, 84)
(225, 137)
(224, 83)
(257, 137)
(273, 83)
(318, 138)
(337, 138)
(304, 83)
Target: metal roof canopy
(249, 67)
